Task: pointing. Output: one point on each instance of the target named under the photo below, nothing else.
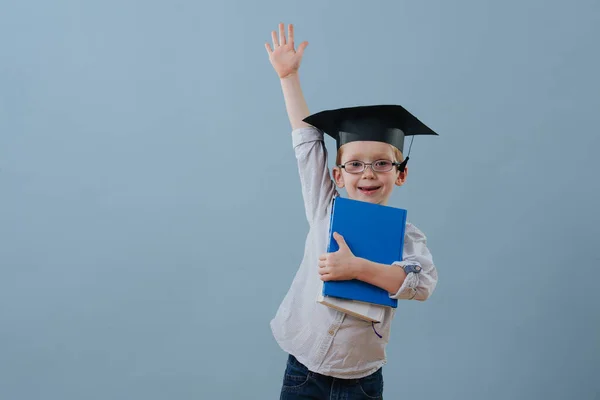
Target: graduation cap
(381, 123)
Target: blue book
(372, 231)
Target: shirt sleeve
(318, 189)
(417, 286)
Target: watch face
(413, 268)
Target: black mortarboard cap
(382, 123)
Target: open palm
(284, 58)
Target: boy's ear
(338, 177)
(401, 178)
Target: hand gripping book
(371, 231)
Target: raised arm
(286, 62)
(309, 146)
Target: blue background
(150, 211)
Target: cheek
(351, 181)
(391, 181)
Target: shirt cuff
(305, 135)
(408, 290)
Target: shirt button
(331, 332)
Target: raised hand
(284, 57)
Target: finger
(326, 277)
(274, 38)
(339, 239)
(301, 48)
(322, 263)
(281, 35)
(291, 33)
(268, 47)
(323, 256)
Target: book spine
(329, 239)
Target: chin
(366, 199)
(374, 201)
(374, 198)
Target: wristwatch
(408, 268)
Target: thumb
(301, 48)
(340, 240)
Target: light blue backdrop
(150, 211)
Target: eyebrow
(378, 156)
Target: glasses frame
(400, 166)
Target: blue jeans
(299, 383)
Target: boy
(332, 354)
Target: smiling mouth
(368, 189)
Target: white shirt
(327, 341)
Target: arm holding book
(343, 265)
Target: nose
(368, 170)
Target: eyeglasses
(357, 167)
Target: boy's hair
(397, 155)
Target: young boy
(333, 355)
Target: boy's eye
(355, 164)
(383, 163)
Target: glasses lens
(354, 166)
(382, 165)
